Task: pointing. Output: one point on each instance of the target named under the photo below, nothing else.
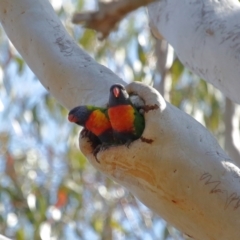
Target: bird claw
(104, 146)
(99, 148)
(96, 144)
(128, 143)
(96, 151)
(84, 133)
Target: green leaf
(176, 71)
(79, 6)
(88, 39)
(20, 234)
(141, 54)
(20, 62)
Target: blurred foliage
(47, 188)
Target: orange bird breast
(122, 118)
(98, 123)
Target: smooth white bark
(4, 238)
(69, 73)
(231, 133)
(183, 175)
(206, 37)
(178, 170)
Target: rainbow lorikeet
(127, 122)
(95, 120)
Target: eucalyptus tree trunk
(206, 37)
(177, 168)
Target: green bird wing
(93, 108)
(139, 123)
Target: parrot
(95, 120)
(127, 122)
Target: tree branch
(64, 69)
(183, 174)
(231, 120)
(109, 15)
(165, 58)
(4, 238)
(205, 35)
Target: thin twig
(109, 14)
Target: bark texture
(177, 168)
(109, 15)
(205, 35)
(64, 69)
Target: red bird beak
(116, 92)
(72, 118)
